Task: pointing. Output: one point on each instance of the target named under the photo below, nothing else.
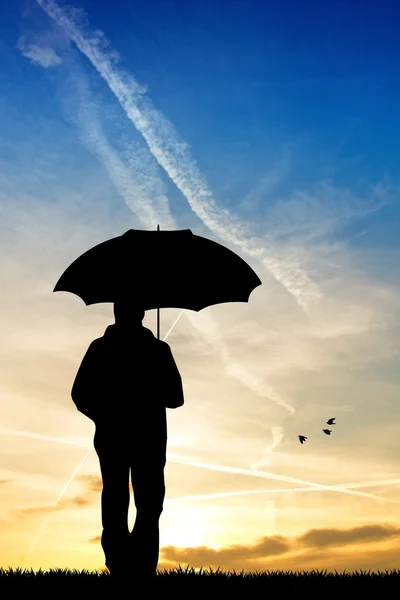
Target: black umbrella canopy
(160, 269)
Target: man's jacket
(125, 375)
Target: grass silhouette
(196, 582)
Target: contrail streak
(213, 496)
(60, 496)
(348, 488)
(70, 480)
(179, 460)
(209, 330)
(200, 497)
(173, 324)
(173, 155)
(43, 438)
(211, 333)
(277, 477)
(311, 486)
(377, 483)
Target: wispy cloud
(211, 333)
(174, 156)
(254, 200)
(43, 56)
(135, 178)
(313, 216)
(266, 459)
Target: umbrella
(160, 269)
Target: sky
(272, 128)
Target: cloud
(95, 540)
(43, 56)
(322, 538)
(80, 501)
(201, 556)
(344, 559)
(90, 496)
(249, 556)
(93, 483)
(41, 510)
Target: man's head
(127, 313)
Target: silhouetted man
(126, 380)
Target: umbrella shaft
(158, 310)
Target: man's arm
(173, 388)
(85, 389)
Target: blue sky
(252, 72)
(273, 128)
(309, 88)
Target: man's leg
(149, 491)
(114, 506)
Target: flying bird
(331, 421)
(302, 438)
(327, 431)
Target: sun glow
(187, 526)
